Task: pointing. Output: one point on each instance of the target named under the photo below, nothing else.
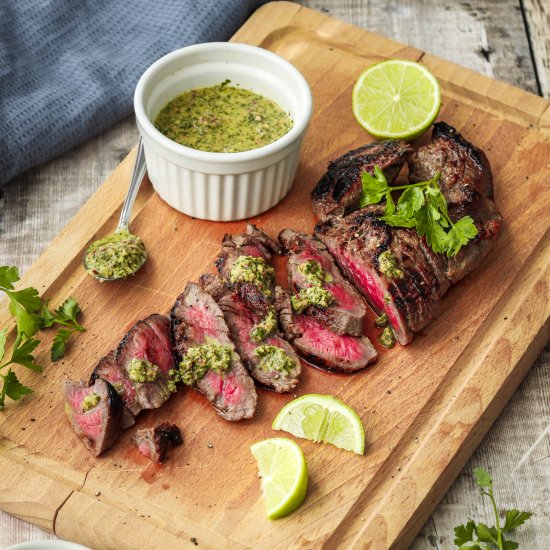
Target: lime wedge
(283, 471)
(396, 99)
(323, 419)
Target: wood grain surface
(531, 441)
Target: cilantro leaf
(515, 518)
(486, 533)
(509, 545)
(12, 388)
(8, 276)
(28, 323)
(375, 188)
(483, 479)
(3, 336)
(464, 533)
(59, 343)
(68, 310)
(22, 354)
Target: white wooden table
(506, 39)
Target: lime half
(284, 476)
(396, 99)
(323, 419)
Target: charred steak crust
(156, 441)
(241, 320)
(347, 313)
(339, 189)
(315, 342)
(196, 317)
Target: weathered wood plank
(537, 15)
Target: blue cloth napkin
(68, 68)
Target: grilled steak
(324, 347)
(148, 340)
(196, 319)
(339, 190)
(346, 314)
(253, 244)
(357, 242)
(241, 320)
(155, 442)
(467, 184)
(95, 413)
(393, 267)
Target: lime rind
(322, 419)
(283, 469)
(396, 98)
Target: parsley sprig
(31, 314)
(479, 536)
(421, 205)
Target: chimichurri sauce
(223, 119)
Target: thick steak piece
(155, 442)
(254, 243)
(316, 342)
(148, 339)
(346, 314)
(339, 190)
(358, 241)
(95, 413)
(195, 319)
(241, 320)
(467, 183)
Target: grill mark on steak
(196, 317)
(155, 442)
(100, 427)
(346, 314)
(316, 342)
(252, 243)
(339, 190)
(240, 320)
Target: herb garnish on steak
(315, 341)
(196, 320)
(310, 266)
(270, 359)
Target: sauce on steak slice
(155, 442)
(315, 341)
(339, 190)
(347, 313)
(148, 340)
(256, 244)
(195, 319)
(241, 320)
(95, 413)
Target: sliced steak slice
(195, 320)
(155, 442)
(254, 244)
(109, 369)
(467, 183)
(95, 413)
(147, 343)
(346, 314)
(241, 320)
(324, 347)
(339, 191)
(392, 267)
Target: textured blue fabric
(68, 68)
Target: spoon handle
(137, 177)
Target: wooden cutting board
(425, 407)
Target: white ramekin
(222, 186)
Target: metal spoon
(123, 225)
